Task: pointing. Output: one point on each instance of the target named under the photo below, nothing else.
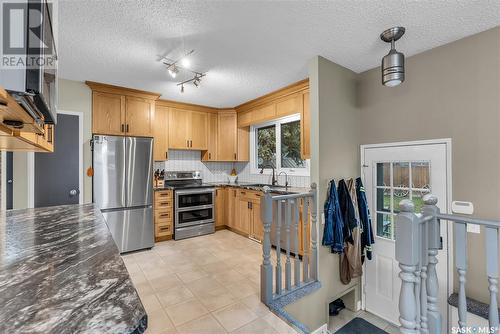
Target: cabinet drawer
(163, 216)
(251, 195)
(163, 194)
(162, 204)
(162, 230)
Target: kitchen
(144, 178)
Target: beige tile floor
(208, 284)
(344, 316)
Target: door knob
(73, 192)
(9, 181)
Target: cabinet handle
(164, 228)
(127, 128)
(235, 156)
(123, 128)
(187, 143)
(191, 143)
(209, 155)
(166, 155)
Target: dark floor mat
(360, 326)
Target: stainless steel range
(194, 211)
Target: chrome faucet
(273, 180)
(286, 178)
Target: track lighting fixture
(175, 66)
(393, 64)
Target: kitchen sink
(262, 185)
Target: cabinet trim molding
(105, 88)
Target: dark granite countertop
(250, 186)
(60, 272)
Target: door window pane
(401, 171)
(384, 225)
(417, 198)
(384, 174)
(290, 145)
(420, 175)
(266, 147)
(399, 195)
(384, 199)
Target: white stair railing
(417, 244)
(282, 213)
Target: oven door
(194, 216)
(185, 199)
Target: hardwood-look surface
(11, 110)
(244, 118)
(219, 207)
(231, 204)
(305, 128)
(178, 129)
(139, 116)
(211, 153)
(160, 133)
(227, 147)
(187, 106)
(105, 88)
(198, 130)
(163, 214)
(290, 105)
(108, 114)
(257, 231)
(244, 144)
(244, 216)
(263, 114)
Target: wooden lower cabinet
(257, 231)
(220, 207)
(248, 221)
(163, 215)
(231, 195)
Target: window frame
(305, 171)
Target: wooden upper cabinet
(198, 130)
(160, 133)
(139, 116)
(290, 105)
(305, 128)
(178, 129)
(244, 144)
(188, 130)
(263, 113)
(244, 119)
(227, 146)
(211, 153)
(108, 114)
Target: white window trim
(253, 150)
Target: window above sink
(277, 144)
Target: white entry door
(394, 173)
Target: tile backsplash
(218, 171)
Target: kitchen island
(61, 272)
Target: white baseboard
(321, 330)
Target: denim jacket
(333, 230)
(364, 215)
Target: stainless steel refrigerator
(123, 188)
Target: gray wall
(451, 92)
(335, 139)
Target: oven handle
(195, 223)
(194, 208)
(195, 191)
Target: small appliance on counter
(194, 211)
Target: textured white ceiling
(249, 48)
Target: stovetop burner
(183, 180)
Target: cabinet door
(244, 144)
(257, 227)
(139, 116)
(230, 197)
(108, 114)
(227, 137)
(198, 130)
(211, 153)
(219, 207)
(289, 106)
(305, 129)
(244, 216)
(160, 133)
(178, 126)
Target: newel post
(266, 269)
(407, 254)
(433, 244)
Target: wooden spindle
(296, 262)
(266, 269)
(314, 232)
(407, 254)
(288, 264)
(491, 235)
(279, 276)
(460, 243)
(305, 240)
(433, 315)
